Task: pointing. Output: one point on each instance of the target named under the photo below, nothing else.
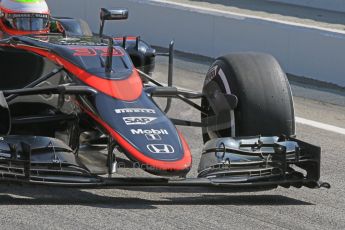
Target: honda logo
(160, 148)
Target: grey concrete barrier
(334, 5)
(303, 51)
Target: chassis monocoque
(61, 91)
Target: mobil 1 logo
(153, 137)
(149, 131)
(151, 134)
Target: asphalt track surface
(145, 208)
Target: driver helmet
(22, 17)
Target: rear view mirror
(116, 14)
(108, 15)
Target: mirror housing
(115, 14)
(110, 15)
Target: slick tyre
(265, 103)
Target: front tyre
(265, 104)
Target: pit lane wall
(334, 5)
(310, 52)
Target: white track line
(243, 16)
(311, 123)
(320, 125)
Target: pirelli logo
(135, 110)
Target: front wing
(49, 162)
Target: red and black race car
(60, 91)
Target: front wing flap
(281, 160)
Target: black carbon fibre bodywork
(141, 123)
(87, 53)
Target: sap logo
(149, 131)
(138, 120)
(160, 148)
(134, 110)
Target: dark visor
(27, 22)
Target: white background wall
(335, 5)
(308, 52)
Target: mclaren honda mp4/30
(62, 90)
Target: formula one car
(65, 89)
